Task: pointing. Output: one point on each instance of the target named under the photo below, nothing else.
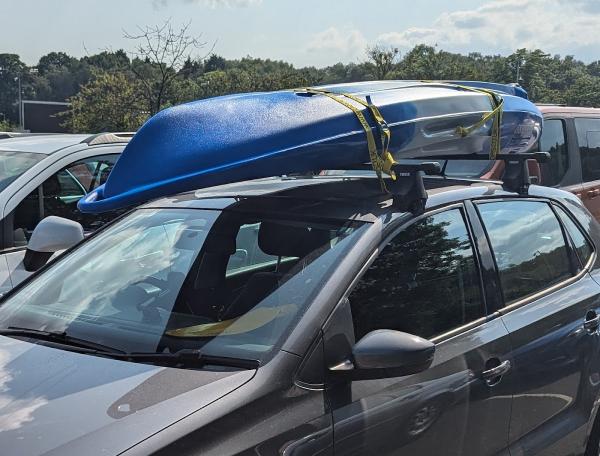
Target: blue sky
(309, 32)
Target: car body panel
(127, 401)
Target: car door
(426, 281)
(588, 138)
(551, 305)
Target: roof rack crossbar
(516, 176)
(408, 190)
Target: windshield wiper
(61, 338)
(186, 358)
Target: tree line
(114, 91)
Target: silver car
(43, 175)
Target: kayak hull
(240, 137)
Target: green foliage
(5, 126)
(109, 102)
(150, 85)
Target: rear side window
(553, 141)
(588, 136)
(582, 245)
(424, 282)
(528, 245)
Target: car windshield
(226, 283)
(13, 164)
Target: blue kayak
(247, 136)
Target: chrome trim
(461, 329)
(344, 366)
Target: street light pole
(21, 116)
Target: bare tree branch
(160, 54)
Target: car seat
(281, 240)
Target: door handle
(592, 321)
(593, 193)
(493, 375)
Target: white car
(45, 175)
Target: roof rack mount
(408, 190)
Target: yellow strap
(497, 103)
(381, 163)
(252, 320)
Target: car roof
(332, 197)
(560, 109)
(41, 144)
(50, 143)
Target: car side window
(553, 140)
(580, 242)
(588, 136)
(528, 245)
(58, 195)
(424, 282)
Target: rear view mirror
(387, 353)
(51, 235)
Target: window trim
(403, 226)
(506, 308)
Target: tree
(110, 102)
(161, 53)
(383, 59)
(11, 68)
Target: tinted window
(528, 245)
(425, 282)
(59, 195)
(553, 141)
(580, 242)
(588, 135)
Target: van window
(553, 141)
(424, 282)
(588, 136)
(528, 246)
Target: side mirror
(51, 235)
(388, 353)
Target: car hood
(59, 402)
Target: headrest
(283, 239)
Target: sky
(310, 32)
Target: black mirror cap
(386, 349)
(35, 260)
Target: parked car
(42, 175)
(572, 136)
(311, 316)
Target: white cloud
(213, 4)
(552, 25)
(226, 3)
(338, 44)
